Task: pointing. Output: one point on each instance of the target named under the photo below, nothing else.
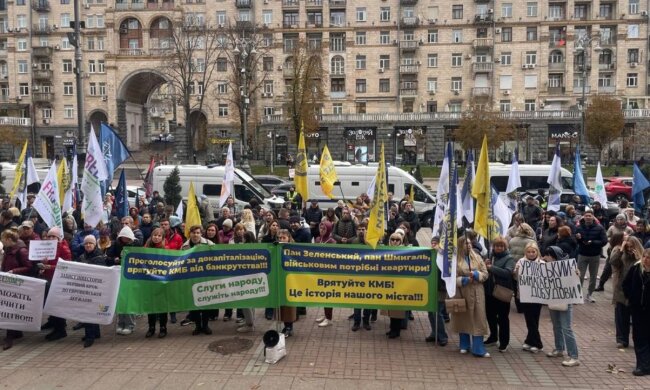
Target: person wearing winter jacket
(15, 262)
(125, 322)
(78, 239)
(92, 255)
(173, 238)
(325, 237)
(566, 241)
(199, 317)
(46, 272)
(499, 267)
(591, 239)
(622, 260)
(636, 287)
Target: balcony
(409, 45)
(606, 67)
(483, 18)
(311, 4)
(243, 3)
(577, 89)
(408, 88)
(132, 52)
(15, 121)
(42, 74)
(288, 72)
(42, 52)
(41, 5)
(410, 21)
(408, 2)
(409, 69)
(608, 41)
(290, 24)
(557, 43)
(481, 43)
(338, 3)
(43, 97)
(481, 91)
(337, 72)
(337, 95)
(607, 89)
(3, 53)
(39, 29)
(557, 66)
(478, 67)
(290, 4)
(556, 90)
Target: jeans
(498, 317)
(91, 331)
(592, 262)
(622, 315)
(532, 312)
(126, 321)
(475, 343)
(563, 333)
(440, 333)
(357, 316)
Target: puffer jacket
(16, 259)
(518, 246)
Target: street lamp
(582, 45)
(244, 48)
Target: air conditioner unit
(432, 21)
(497, 31)
(633, 64)
(490, 11)
(270, 94)
(86, 75)
(644, 13)
(35, 88)
(19, 98)
(524, 66)
(455, 91)
(279, 67)
(266, 1)
(104, 98)
(531, 66)
(57, 47)
(220, 25)
(506, 92)
(541, 105)
(264, 94)
(86, 6)
(35, 66)
(468, 56)
(54, 27)
(46, 121)
(432, 92)
(124, 30)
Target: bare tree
(305, 91)
(604, 122)
(189, 61)
(15, 137)
(480, 121)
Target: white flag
(179, 210)
(555, 182)
(31, 178)
(442, 193)
(371, 187)
(94, 173)
(228, 177)
(600, 195)
(47, 200)
(68, 198)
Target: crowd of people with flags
(482, 239)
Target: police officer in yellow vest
(292, 196)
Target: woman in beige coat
(472, 324)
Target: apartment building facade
(401, 72)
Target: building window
(68, 89)
(384, 14)
(432, 84)
(556, 11)
(432, 60)
(506, 58)
(101, 66)
(634, 7)
(384, 37)
(362, 15)
(455, 106)
(604, 79)
(337, 85)
(504, 105)
(531, 58)
(93, 89)
(222, 87)
(21, 45)
(46, 113)
(384, 85)
(23, 89)
(529, 105)
(633, 56)
(21, 21)
(222, 65)
(531, 9)
(506, 34)
(223, 110)
(267, 64)
(65, 43)
(432, 37)
(506, 10)
(361, 85)
(67, 66)
(456, 84)
(268, 87)
(360, 107)
(65, 20)
(456, 59)
(606, 10)
(92, 67)
(221, 18)
(22, 66)
(267, 17)
(632, 79)
(361, 62)
(102, 89)
(68, 111)
(360, 38)
(457, 11)
(384, 61)
(457, 36)
(337, 108)
(531, 33)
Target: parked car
(270, 181)
(131, 193)
(618, 188)
(282, 189)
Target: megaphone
(271, 338)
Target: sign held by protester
(555, 282)
(40, 250)
(83, 292)
(21, 302)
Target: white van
(9, 173)
(354, 180)
(207, 181)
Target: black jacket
(594, 233)
(301, 235)
(95, 257)
(636, 287)
(569, 246)
(500, 272)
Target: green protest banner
(357, 276)
(204, 277)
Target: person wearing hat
(91, 255)
(298, 231)
(125, 322)
(173, 237)
(532, 212)
(7, 221)
(46, 272)
(226, 233)
(29, 207)
(26, 232)
(78, 239)
(313, 216)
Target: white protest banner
(83, 292)
(555, 282)
(42, 250)
(21, 302)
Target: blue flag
(113, 149)
(639, 184)
(121, 198)
(579, 186)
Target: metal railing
(14, 121)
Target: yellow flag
(20, 168)
(300, 176)
(377, 222)
(192, 216)
(481, 192)
(63, 178)
(327, 173)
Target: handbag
(558, 306)
(456, 305)
(504, 294)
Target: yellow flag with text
(300, 176)
(327, 173)
(63, 178)
(20, 169)
(481, 192)
(192, 216)
(377, 222)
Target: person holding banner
(622, 261)
(499, 268)
(636, 287)
(287, 314)
(200, 317)
(92, 255)
(532, 311)
(396, 316)
(325, 237)
(15, 261)
(125, 322)
(46, 272)
(157, 241)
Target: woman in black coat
(636, 287)
(567, 242)
(91, 255)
